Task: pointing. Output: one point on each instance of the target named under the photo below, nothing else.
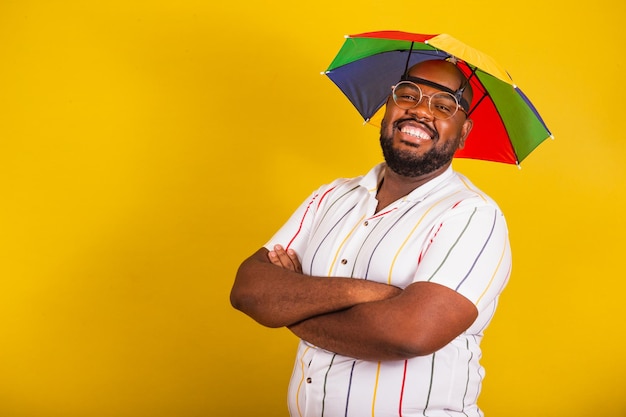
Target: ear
(465, 131)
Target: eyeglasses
(442, 105)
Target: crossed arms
(352, 317)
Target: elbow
(417, 345)
(243, 297)
(251, 306)
(237, 299)
(253, 296)
(408, 351)
(244, 301)
(414, 350)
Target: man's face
(414, 143)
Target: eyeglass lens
(408, 95)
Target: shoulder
(342, 187)
(470, 193)
(458, 198)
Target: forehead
(440, 72)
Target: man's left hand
(287, 259)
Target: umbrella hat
(507, 127)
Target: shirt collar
(372, 179)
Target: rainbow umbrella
(507, 127)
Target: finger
(273, 257)
(294, 260)
(285, 259)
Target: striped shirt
(445, 231)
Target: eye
(443, 103)
(407, 93)
(407, 97)
(442, 107)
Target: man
(391, 278)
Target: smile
(415, 132)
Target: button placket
(357, 239)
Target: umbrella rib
(408, 58)
(485, 94)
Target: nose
(422, 111)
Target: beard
(407, 164)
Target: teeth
(418, 133)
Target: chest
(349, 238)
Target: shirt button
(309, 380)
(366, 223)
(344, 261)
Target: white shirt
(445, 231)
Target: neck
(394, 186)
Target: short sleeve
(469, 252)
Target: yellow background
(147, 147)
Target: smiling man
(425, 124)
(389, 279)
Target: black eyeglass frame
(458, 94)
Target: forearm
(276, 297)
(355, 333)
(419, 321)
